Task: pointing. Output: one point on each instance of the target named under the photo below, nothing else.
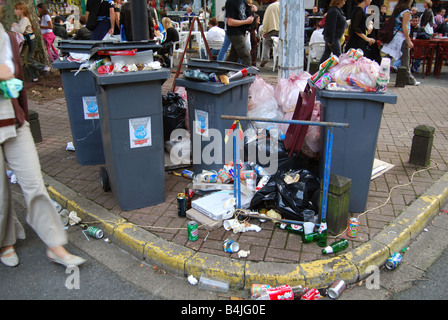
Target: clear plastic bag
(259, 91)
(361, 73)
(287, 90)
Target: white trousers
(21, 155)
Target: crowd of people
(236, 34)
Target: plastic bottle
(259, 169)
(384, 74)
(284, 292)
(336, 246)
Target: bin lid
(385, 97)
(130, 77)
(127, 45)
(213, 87)
(218, 66)
(65, 64)
(81, 46)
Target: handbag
(386, 32)
(428, 29)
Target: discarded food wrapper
(70, 146)
(237, 226)
(73, 218)
(243, 253)
(192, 280)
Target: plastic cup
(308, 227)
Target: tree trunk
(9, 17)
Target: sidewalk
(158, 235)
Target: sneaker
(263, 63)
(416, 83)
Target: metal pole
(300, 122)
(139, 16)
(292, 38)
(328, 153)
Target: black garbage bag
(290, 199)
(174, 108)
(277, 154)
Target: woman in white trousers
(17, 150)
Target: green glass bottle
(310, 237)
(336, 246)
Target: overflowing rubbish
(352, 71)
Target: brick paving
(425, 104)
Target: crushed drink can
(353, 227)
(224, 176)
(312, 294)
(95, 232)
(336, 289)
(257, 289)
(181, 205)
(193, 231)
(248, 174)
(231, 246)
(188, 174)
(283, 292)
(393, 261)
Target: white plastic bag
(287, 90)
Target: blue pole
(328, 153)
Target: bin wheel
(104, 178)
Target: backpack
(386, 32)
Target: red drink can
(280, 293)
(312, 294)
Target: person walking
(239, 19)
(29, 48)
(358, 33)
(335, 25)
(399, 47)
(271, 27)
(102, 18)
(46, 28)
(17, 150)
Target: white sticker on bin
(90, 107)
(140, 132)
(201, 122)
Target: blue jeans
(224, 49)
(214, 52)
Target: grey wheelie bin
(207, 102)
(80, 97)
(131, 121)
(354, 148)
